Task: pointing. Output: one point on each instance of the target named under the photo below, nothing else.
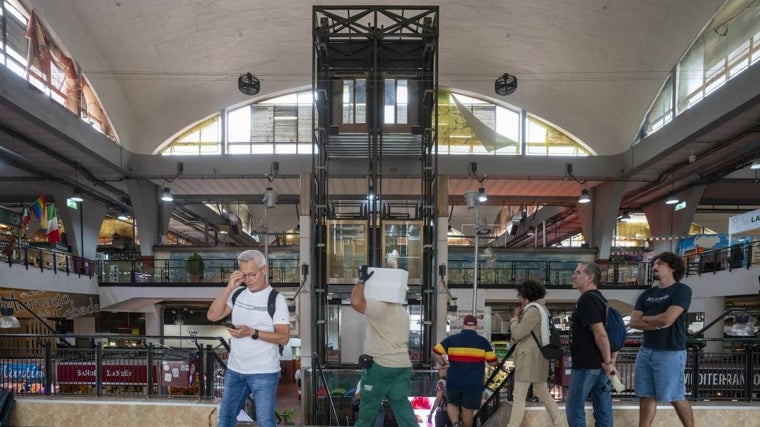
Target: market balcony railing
(33, 257)
(32, 364)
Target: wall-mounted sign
(50, 304)
(9, 217)
(744, 222)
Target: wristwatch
(255, 335)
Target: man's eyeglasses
(252, 275)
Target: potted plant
(194, 267)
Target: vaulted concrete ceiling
(591, 67)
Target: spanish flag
(39, 207)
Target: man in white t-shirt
(253, 366)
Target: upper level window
(42, 62)
(466, 125)
(396, 102)
(203, 138)
(728, 45)
(354, 101)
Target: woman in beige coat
(530, 365)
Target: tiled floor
(287, 399)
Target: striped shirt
(467, 352)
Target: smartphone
(230, 325)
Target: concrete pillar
(82, 225)
(303, 302)
(599, 218)
(153, 320)
(712, 307)
(668, 225)
(146, 205)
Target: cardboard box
(387, 284)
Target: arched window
(466, 125)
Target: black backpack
(553, 350)
(271, 304)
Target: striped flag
(39, 207)
(25, 217)
(52, 225)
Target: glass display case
(346, 250)
(402, 247)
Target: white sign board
(745, 222)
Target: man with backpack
(253, 366)
(593, 360)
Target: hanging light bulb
(7, 319)
(77, 195)
(584, 198)
(482, 197)
(167, 196)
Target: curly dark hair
(673, 261)
(531, 290)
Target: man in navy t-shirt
(467, 353)
(660, 312)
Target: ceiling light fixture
(671, 199)
(755, 165)
(122, 216)
(7, 319)
(585, 197)
(505, 85)
(482, 197)
(167, 196)
(77, 195)
(625, 217)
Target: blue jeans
(237, 387)
(585, 383)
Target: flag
(25, 217)
(39, 207)
(52, 225)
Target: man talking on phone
(253, 366)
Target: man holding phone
(253, 366)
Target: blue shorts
(466, 397)
(660, 374)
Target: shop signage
(744, 222)
(111, 374)
(50, 304)
(20, 371)
(9, 217)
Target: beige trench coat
(530, 364)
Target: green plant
(194, 264)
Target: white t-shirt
(249, 356)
